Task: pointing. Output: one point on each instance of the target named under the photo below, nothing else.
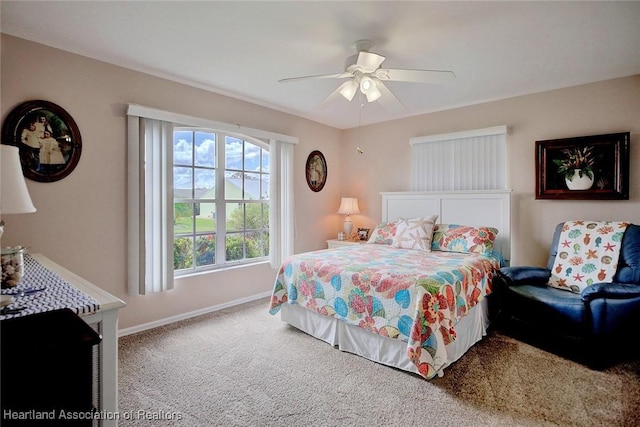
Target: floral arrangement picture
(583, 168)
(577, 167)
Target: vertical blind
(281, 206)
(469, 160)
(150, 204)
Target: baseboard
(190, 314)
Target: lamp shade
(349, 206)
(14, 196)
(373, 94)
(367, 84)
(348, 89)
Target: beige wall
(81, 220)
(600, 108)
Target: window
(221, 199)
(224, 196)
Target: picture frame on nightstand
(363, 234)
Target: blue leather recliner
(602, 322)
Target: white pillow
(415, 233)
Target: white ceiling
(496, 49)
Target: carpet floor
(243, 367)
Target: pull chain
(360, 107)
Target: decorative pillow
(463, 238)
(588, 253)
(383, 234)
(415, 233)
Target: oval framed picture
(48, 138)
(316, 170)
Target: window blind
(469, 160)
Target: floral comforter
(415, 296)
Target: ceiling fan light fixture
(367, 85)
(349, 90)
(373, 94)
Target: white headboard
(477, 208)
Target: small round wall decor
(48, 138)
(316, 171)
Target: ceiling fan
(363, 72)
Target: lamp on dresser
(14, 199)
(348, 207)
(14, 196)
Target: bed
(415, 309)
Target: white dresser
(105, 322)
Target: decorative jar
(12, 266)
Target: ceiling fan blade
(419, 76)
(320, 76)
(332, 96)
(369, 61)
(388, 100)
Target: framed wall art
(316, 170)
(48, 138)
(583, 168)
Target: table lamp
(14, 199)
(348, 207)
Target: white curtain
(150, 199)
(281, 215)
(470, 160)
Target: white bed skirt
(384, 350)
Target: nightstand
(335, 243)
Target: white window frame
(221, 200)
